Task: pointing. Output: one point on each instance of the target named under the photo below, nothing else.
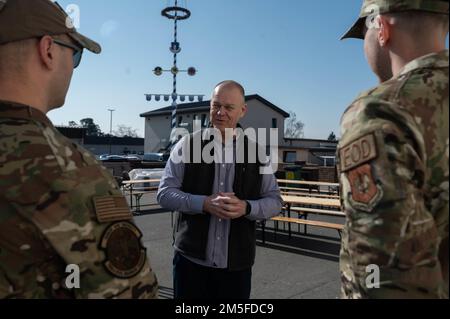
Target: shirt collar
(436, 60)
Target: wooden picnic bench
(309, 187)
(129, 189)
(305, 222)
(300, 221)
(291, 193)
(287, 181)
(311, 201)
(304, 211)
(312, 191)
(305, 190)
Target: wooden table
(303, 200)
(310, 185)
(287, 181)
(133, 183)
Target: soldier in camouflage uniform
(61, 213)
(393, 156)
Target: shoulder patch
(125, 255)
(358, 152)
(365, 193)
(111, 209)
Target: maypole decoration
(176, 14)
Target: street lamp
(110, 131)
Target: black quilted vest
(191, 231)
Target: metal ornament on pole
(175, 13)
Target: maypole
(175, 13)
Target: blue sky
(287, 51)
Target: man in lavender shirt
(218, 203)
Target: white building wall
(157, 133)
(301, 154)
(158, 129)
(258, 115)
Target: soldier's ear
(384, 31)
(46, 49)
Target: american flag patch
(111, 209)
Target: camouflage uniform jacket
(59, 208)
(393, 164)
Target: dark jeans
(192, 281)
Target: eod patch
(354, 157)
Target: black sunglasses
(77, 52)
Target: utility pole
(110, 131)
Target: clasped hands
(225, 206)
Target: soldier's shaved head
(396, 38)
(14, 56)
(421, 24)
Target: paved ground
(303, 267)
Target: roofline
(322, 149)
(197, 106)
(271, 105)
(309, 140)
(182, 111)
(312, 149)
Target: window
(180, 120)
(274, 123)
(204, 124)
(329, 161)
(290, 157)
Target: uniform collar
(19, 111)
(435, 60)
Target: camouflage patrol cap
(374, 7)
(26, 19)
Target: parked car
(103, 157)
(114, 158)
(133, 158)
(155, 157)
